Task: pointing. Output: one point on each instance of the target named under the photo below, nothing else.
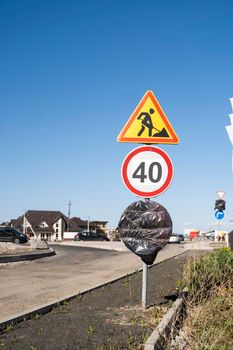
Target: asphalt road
(29, 285)
(24, 286)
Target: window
(43, 224)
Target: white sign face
(220, 194)
(147, 171)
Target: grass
(62, 308)
(204, 275)
(9, 327)
(91, 330)
(209, 324)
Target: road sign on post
(147, 171)
(219, 214)
(220, 194)
(148, 124)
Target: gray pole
(144, 285)
(68, 228)
(144, 278)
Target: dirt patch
(12, 249)
(110, 317)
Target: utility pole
(24, 224)
(68, 228)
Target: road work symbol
(148, 124)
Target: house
(42, 224)
(51, 225)
(76, 224)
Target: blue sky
(72, 72)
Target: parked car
(90, 236)
(176, 238)
(10, 234)
(181, 236)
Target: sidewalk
(117, 246)
(120, 247)
(27, 287)
(110, 317)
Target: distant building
(42, 224)
(51, 225)
(75, 225)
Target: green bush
(204, 275)
(209, 322)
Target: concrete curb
(25, 257)
(48, 307)
(169, 322)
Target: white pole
(144, 285)
(24, 224)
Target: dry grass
(209, 325)
(209, 321)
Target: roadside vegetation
(209, 322)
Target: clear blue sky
(72, 72)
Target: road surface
(28, 285)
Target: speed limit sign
(147, 171)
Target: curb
(48, 307)
(25, 257)
(169, 322)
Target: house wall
(59, 227)
(69, 236)
(103, 227)
(48, 236)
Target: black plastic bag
(145, 228)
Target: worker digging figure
(146, 121)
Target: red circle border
(166, 184)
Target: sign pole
(144, 285)
(144, 278)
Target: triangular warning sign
(220, 194)
(148, 124)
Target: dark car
(10, 234)
(90, 236)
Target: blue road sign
(219, 214)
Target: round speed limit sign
(147, 171)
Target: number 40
(141, 174)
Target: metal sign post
(144, 285)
